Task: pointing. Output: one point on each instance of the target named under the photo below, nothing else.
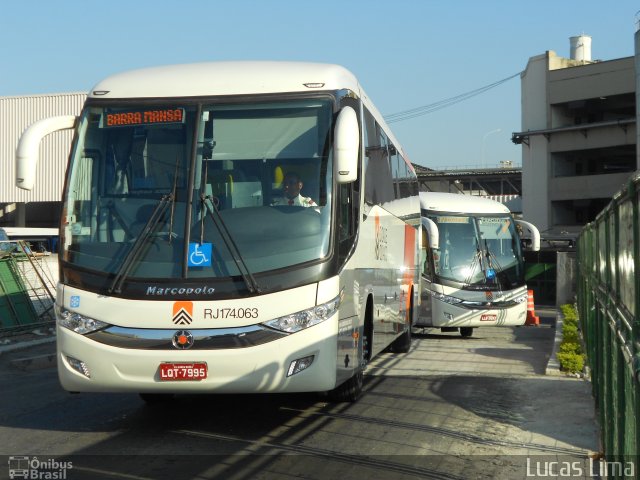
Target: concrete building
(578, 136)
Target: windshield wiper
(249, 280)
(488, 264)
(492, 265)
(136, 249)
(475, 263)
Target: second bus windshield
(478, 251)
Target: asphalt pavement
(509, 378)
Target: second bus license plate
(183, 371)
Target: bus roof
(457, 203)
(225, 78)
(234, 78)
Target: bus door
(429, 251)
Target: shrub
(569, 329)
(569, 313)
(567, 310)
(570, 347)
(571, 362)
(570, 354)
(571, 337)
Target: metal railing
(608, 306)
(27, 287)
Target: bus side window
(378, 177)
(349, 198)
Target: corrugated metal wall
(16, 114)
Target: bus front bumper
(447, 315)
(87, 365)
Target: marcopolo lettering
(156, 291)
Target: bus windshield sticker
(142, 117)
(200, 254)
(453, 219)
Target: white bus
(472, 273)
(181, 271)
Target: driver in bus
(291, 186)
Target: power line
(419, 111)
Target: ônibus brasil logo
(183, 313)
(31, 467)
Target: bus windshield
(176, 190)
(478, 251)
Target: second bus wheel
(466, 332)
(402, 344)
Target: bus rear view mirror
(346, 146)
(529, 235)
(432, 232)
(29, 146)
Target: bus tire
(350, 390)
(466, 332)
(402, 344)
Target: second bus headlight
(305, 318)
(448, 299)
(78, 323)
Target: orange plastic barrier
(532, 319)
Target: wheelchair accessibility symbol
(200, 255)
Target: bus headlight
(306, 318)
(448, 299)
(78, 323)
(522, 298)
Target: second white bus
(473, 269)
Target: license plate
(170, 372)
(489, 317)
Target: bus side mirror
(29, 147)
(432, 232)
(529, 234)
(346, 146)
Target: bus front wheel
(351, 390)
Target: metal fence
(607, 291)
(27, 288)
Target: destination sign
(452, 219)
(499, 220)
(143, 117)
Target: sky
(405, 53)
